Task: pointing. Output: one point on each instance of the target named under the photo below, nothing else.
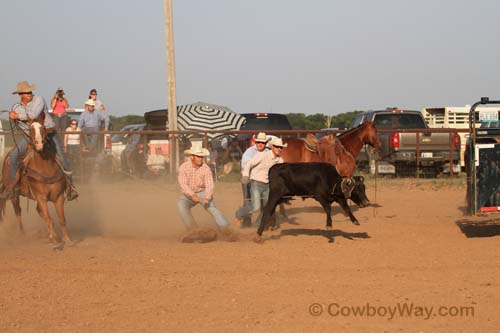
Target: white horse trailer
(455, 117)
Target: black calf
(318, 180)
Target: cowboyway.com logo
(403, 310)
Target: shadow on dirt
(476, 228)
(328, 234)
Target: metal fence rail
(106, 160)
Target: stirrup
(71, 195)
(67, 172)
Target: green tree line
(301, 121)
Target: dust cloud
(128, 209)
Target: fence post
(451, 154)
(417, 155)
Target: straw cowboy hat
(278, 143)
(197, 152)
(24, 87)
(90, 102)
(261, 137)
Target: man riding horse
(30, 107)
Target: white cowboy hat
(261, 137)
(278, 143)
(24, 87)
(197, 152)
(90, 102)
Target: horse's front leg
(59, 203)
(43, 209)
(16, 203)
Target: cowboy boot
(6, 191)
(71, 193)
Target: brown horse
(40, 178)
(340, 151)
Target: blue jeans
(185, 204)
(18, 152)
(247, 202)
(52, 136)
(259, 193)
(90, 139)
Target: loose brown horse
(41, 179)
(340, 151)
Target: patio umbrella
(203, 116)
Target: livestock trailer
(483, 160)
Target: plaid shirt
(193, 180)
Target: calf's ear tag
(347, 185)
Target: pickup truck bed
(398, 138)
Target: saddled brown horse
(340, 151)
(41, 179)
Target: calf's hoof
(258, 239)
(355, 222)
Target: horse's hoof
(69, 242)
(258, 239)
(355, 222)
(58, 246)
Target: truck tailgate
(428, 141)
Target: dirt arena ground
(415, 264)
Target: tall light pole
(172, 103)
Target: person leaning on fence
(259, 146)
(197, 187)
(31, 106)
(89, 122)
(72, 141)
(256, 173)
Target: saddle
(311, 142)
(331, 150)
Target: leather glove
(245, 180)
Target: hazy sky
(316, 56)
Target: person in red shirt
(197, 187)
(59, 105)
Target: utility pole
(171, 124)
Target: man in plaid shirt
(197, 186)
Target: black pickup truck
(397, 155)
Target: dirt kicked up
(415, 263)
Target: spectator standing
(197, 187)
(260, 142)
(99, 106)
(232, 155)
(89, 122)
(256, 173)
(59, 105)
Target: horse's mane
(350, 131)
